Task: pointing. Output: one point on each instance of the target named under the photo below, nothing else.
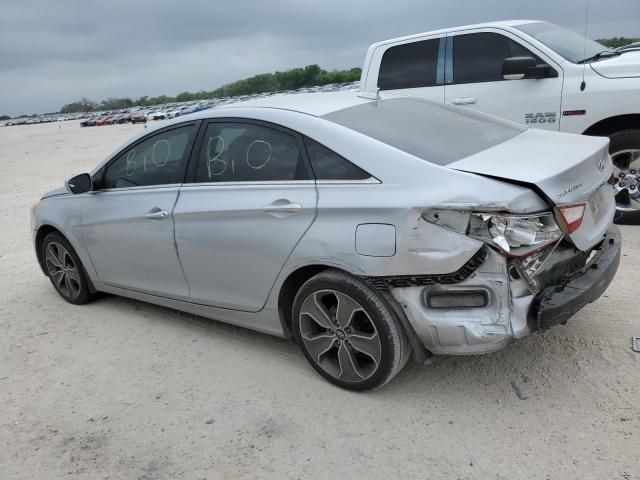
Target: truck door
(414, 68)
(474, 79)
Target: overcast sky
(54, 52)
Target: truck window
(478, 57)
(410, 65)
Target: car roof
(499, 24)
(316, 103)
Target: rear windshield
(432, 131)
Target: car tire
(360, 345)
(65, 270)
(624, 148)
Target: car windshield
(569, 45)
(432, 131)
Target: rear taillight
(571, 216)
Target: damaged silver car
(369, 230)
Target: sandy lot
(121, 390)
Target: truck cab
(531, 72)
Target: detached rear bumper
(556, 303)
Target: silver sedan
(369, 230)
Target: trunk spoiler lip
(532, 186)
(519, 183)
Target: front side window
(410, 65)
(158, 160)
(238, 152)
(328, 165)
(478, 57)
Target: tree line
(616, 42)
(309, 76)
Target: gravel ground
(118, 389)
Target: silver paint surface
(221, 255)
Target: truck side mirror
(517, 68)
(79, 184)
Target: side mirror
(79, 184)
(517, 68)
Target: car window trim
(100, 173)
(365, 181)
(167, 186)
(256, 183)
(190, 177)
(449, 79)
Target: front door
(127, 222)
(473, 79)
(250, 200)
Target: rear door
(414, 68)
(473, 79)
(250, 199)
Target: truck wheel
(347, 332)
(625, 154)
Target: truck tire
(624, 149)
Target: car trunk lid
(564, 168)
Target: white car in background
(176, 112)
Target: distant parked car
(158, 115)
(91, 120)
(174, 113)
(121, 118)
(104, 120)
(137, 117)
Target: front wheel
(347, 331)
(65, 270)
(624, 148)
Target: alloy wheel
(626, 170)
(340, 336)
(62, 270)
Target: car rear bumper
(490, 327)
(557, 303)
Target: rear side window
(328, 165)
(410, 65)
(478, 57)
(241, 152)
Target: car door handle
(156, 214)
(464, 101)
(282, 206)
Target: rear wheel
(65, 270)
(625, 155)
(347, 331)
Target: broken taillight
(571, 216)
